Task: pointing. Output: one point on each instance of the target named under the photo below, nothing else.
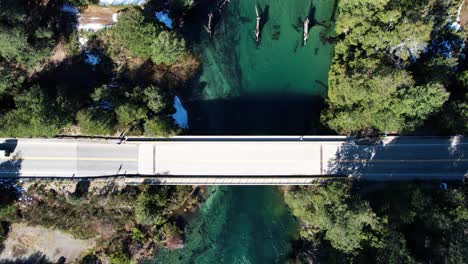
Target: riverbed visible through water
(244, 88)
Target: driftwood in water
(220, 9)
(306, 30)
(208, 28)
(257, 27)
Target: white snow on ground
(91, 26)
(83, 41)
(69, 9)
(163, 17)
(456, 25)
(122, 2)
(91, 58)
(180, 116)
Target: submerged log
(220, 9)
(257, 28)
(208, 27)
(306, 30)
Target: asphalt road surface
(201, 158)
(52, 158)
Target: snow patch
(163, 17)
(92, 58)
(456, 25)
(122, 2)
(83, 41)
(180, 116)
(69, 9)
(91, 26)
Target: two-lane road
(246, 160)
(49, 158)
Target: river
(273, 87)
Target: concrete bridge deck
(237, 160)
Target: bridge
(237, 159)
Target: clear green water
(275, 88)
(237, 225)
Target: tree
(129, 115)
(15, 47)
(160, 127)
(120, 258)
(10, 80)
(370, 86)
(26, 32)
(130, 108)
(346, 221)
(167, 48)
(134, 33)
(151, 208)
(385, 101)
(145, 38)
(31, 117)
(95, 122)
(394, 249)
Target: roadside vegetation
(399, 67)
(125, 222)
(368, 223)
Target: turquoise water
(237, 225)
(275, 87)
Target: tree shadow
(81, 189)
(10, 165)
(68, 85)
(36, 258)
(400, 159)
(8, 146)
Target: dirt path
(464, 15)
(24, 241)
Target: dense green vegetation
(147, 40)
(130, 91)
(8, 195)
(392, 70)
(26, 32)
(341, 224)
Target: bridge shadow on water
(285, 115)
(402, 159)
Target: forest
(342, 222)
(399, 67)
(47, 88)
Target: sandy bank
(24, 241)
